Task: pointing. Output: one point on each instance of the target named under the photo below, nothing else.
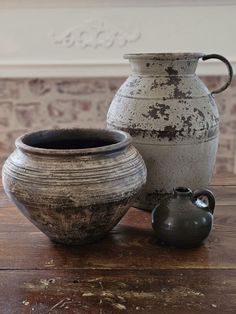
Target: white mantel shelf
(78, 38)
(90, 69)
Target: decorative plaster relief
(95, 34)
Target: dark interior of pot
(72, 139)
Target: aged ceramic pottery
(74, 185)
(173, 119)
(183, 219)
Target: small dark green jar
(184, 219)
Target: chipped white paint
(173, 120)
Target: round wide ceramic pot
(173, 119)
(74, 184)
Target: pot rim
(171, 56)
(124, 142)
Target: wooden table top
(127, 272)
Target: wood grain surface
(126, 272)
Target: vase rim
(118, 140)
(171, 56)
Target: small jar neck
(182, 192)
(182, 196)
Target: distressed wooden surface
(106, 291)
(125, 272)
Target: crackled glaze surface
(173, 119)
(74, 196)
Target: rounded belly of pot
(181, 230)
(75, 200)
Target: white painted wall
(69, 38)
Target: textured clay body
(74, 185)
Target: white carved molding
(94, 33)
(90, 69)
(75, 38)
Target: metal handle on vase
(229, 67)
(209, 195)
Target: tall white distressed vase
(172, 118)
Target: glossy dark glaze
(183, 219)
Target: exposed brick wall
(27, 104)
(226, 156)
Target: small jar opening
(182, 191)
